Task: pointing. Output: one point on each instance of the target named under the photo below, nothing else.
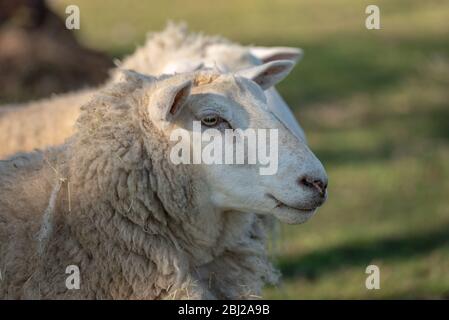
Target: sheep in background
(50, 121)
(46, 122)
(138, 226)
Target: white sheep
(110, 202)
(50, 121)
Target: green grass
(375, 106)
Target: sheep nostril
(316, 184)
(321, 186)
(305, 182)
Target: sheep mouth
(283, 205)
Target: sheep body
(40, 124)
(109, 202)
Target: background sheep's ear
(169, 100)
(267, 54)
(268, 74)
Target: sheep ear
(169, 100)
(268, 74)
(267, 54)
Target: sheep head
(199, 114)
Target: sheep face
(217, 104)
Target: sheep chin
(293, 216)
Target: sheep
(46, 122)
(110, 202)
(50, 121)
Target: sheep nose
(316, 184)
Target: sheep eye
(210, 121)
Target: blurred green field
(375, 107)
